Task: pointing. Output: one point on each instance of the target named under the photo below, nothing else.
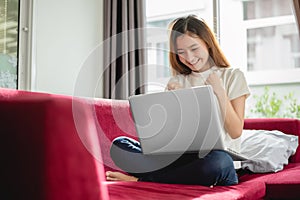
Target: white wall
(65, 34)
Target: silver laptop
(179, 121)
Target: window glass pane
(8, 43)
(266, 8)
(273, 48)
(158, 51)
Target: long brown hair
(196, 28)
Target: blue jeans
(216, 168)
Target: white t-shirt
(234, 83)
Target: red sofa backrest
(113, 120)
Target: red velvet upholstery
(54, 147)
(147, 191)
(43, 156)
(281, 185)
(114, 119)
(284, 184)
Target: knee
(218, 161)
(225, 169)
(223, 158)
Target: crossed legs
(216, 168)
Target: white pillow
(268, 151)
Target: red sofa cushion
(147, 190)
(284, 184)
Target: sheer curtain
(124, 48)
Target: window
(9, 43)
(159, 15)
(15, 44)
(260, 37)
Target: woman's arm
(234, 114)
(232, 111)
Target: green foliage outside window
(269, 105)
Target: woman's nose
(189, 56)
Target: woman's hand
(216, 83)
(174, 86)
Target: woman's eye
(180, 52)
(194, 49)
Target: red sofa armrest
(46, 154)
(286, 125)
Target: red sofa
(56, 147)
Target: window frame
(25, 43)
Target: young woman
(196, 59)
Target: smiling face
(193, 52)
